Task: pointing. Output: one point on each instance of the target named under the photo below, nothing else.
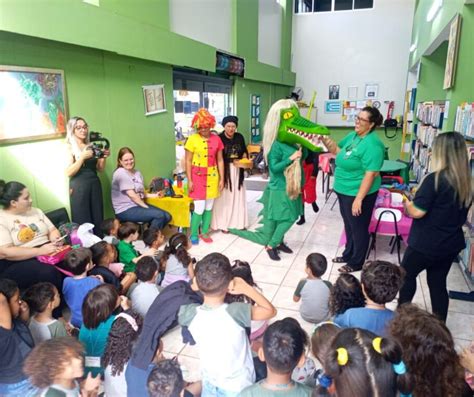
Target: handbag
(56, 258)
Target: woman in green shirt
(359, 158)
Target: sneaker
(315, 206)
(301, 221)
(206, 238)
(284, 248)
(194, 240)
(273, 254)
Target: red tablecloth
(324, 162)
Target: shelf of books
(430, 116)
(464, 122)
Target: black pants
(356, 228)
(86, 199)
(437, 269)
(31, 271)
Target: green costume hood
(295, 129)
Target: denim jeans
(156, 217)
(23, 389)
(209, 390)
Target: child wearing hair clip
(176, 260)
(122, 336)
(359, 363)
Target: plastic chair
(389, 215)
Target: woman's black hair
(241, 269)
(177, 246)
(99, 304)
(120, 342)
(10, 191)
(374, 116)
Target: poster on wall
(255, 118)
(371, 91)
(334, 107)
(451, 58)
(154, 97)
(333, 92)
(32, 104)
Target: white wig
(272, 122)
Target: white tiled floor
(278, 279)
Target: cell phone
(60, 239)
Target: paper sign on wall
(332, 107)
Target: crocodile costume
(284, 131)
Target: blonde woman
(439, 210)
(85, 189)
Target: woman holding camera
(85, 189)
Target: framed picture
(154, 97)
(333, 92)
(32, 104)
(451, 58)
(332, 107)
(371, 91)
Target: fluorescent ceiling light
(434, 10)
(413, 47)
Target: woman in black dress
(85, 189)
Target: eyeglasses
(82, 127)
(359, 119)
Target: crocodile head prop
(294, 129)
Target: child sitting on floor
(143, 293)
(346, 293)
(15, 341)
(110, 229)
(176, 260)
(75, 288)
(242, 269)
(123, 334)
(99, 309)
(103, 255)
(55, 367)
(128, 255)
(381, 282)
(359, 363)
(42, 299)
(314, 292)
(166, 380)
(219, 328)
(283, 350)
(153, 238)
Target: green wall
(107, 54)
(430, 86)
(106, 90)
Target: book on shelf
(431, 113)
(464, 122)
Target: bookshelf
(464, 122)
(430, 116)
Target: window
(303, 6)
(322, 5)
(309, 6)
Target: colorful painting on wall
(32, 104)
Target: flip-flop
(339, 259)
(347, 269)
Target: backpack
(163, 186)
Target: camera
(98, 144)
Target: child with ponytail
(176, 260)
(360, 363)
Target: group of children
(359, 351)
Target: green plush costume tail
(261, 235)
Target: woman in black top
(439, 210)
(230, 208)
(85, 189)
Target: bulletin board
(255, 118)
